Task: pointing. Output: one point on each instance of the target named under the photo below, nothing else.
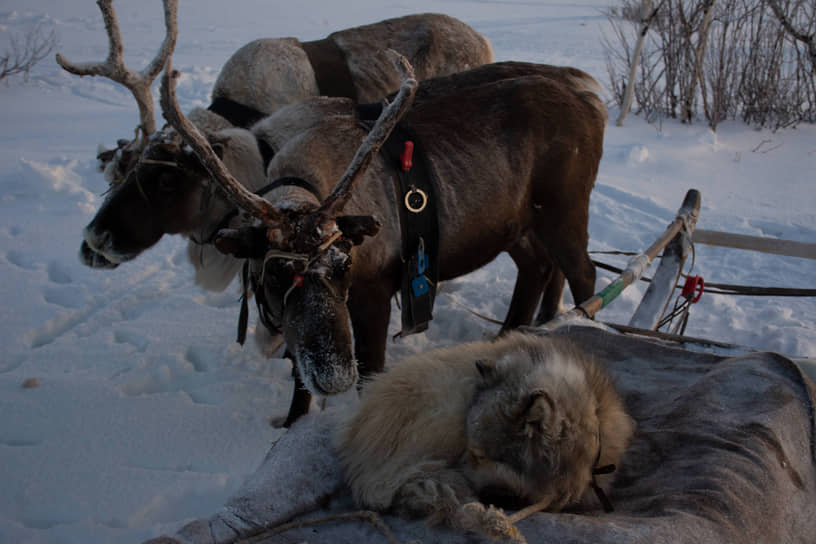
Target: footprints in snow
(21, 259)
(58, 273)
(138, 341)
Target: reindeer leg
(301, 398)
(530, 282)
(580, 272)
(554, 284)
(370, 310)
(551, 301)
(565, 241)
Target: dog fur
(516, 421)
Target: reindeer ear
(218, 142)
(104, 156)
(356, 227)
(243, 243)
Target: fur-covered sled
(723, 453)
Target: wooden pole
(661, 289)
(776, 246)
(684, 221)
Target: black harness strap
(330, 67)
(236, 113)
(289, 181)
(419, 222)
(593, 483)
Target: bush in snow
(753, 60)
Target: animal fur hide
(723, 453)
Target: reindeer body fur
(435, 45)
(267, 74)
(270, 73)
(438, 432)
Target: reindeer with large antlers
(514, 160)
(513, 149)
(261, 77)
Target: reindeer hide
(724, 453)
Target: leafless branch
(26, 51)
(808, 39)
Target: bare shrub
(26, 50)
(753, 60)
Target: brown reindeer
(514, 147)
(514, 160)
(261, 77)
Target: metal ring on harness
(416, 200)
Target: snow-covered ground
(147, 413)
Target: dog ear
(487, 371)
(356, 227)
(539, 413)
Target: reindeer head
(300, 255)
(154, 185)
(157, 185)
(164, 191)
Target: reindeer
(516, 151)
(514, 160)
(260, 78)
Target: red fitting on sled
(407, 155)
(693, 284)
(297, 281)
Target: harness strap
(289, 181)
(236, 113)
(606, 469)
(243, 316)
(419, 220)
(330, 68)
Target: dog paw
(490, 522)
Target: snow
(148, 414)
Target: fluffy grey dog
(517, 421)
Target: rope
(474, 312)
(729, 289)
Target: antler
(114, 66)
(334, 203)
(236, 192)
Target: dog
(456, 434)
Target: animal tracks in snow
(58, 273)
(117, 304)
(138, 341)
(22, 259)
